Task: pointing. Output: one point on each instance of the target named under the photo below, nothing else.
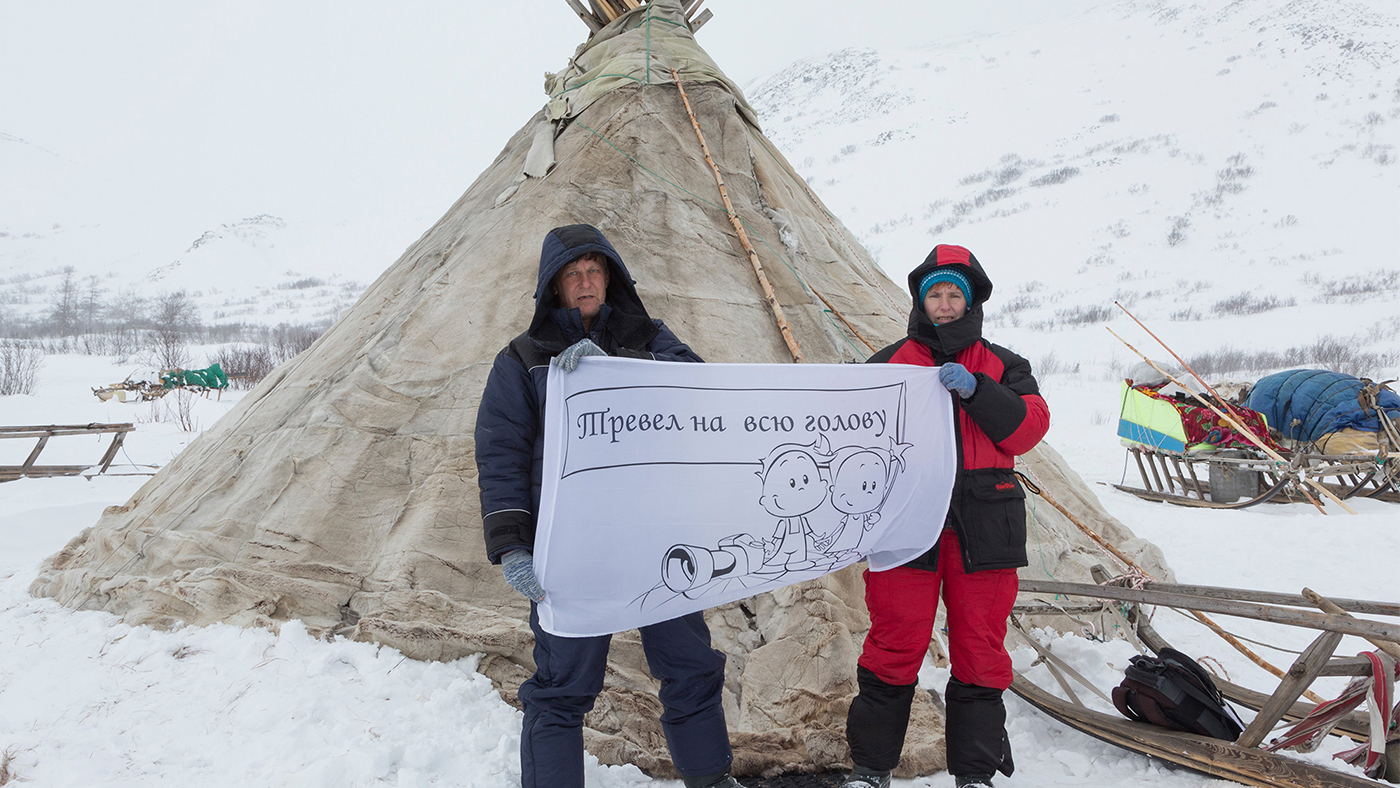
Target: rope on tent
(1132, 565)
(843, 319)
(768, 293)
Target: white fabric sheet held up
(670, 488)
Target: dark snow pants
(902, 603)
(569, 676)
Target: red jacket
(1004, 417)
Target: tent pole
(743, 236)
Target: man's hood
(562, 246)
(949, 338)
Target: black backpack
(1172, 691)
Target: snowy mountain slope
(1171, 156)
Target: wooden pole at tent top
(763, 282)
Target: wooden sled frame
(1179, 478)
(1242, 760)
(9, 473)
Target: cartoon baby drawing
(793, 485)
(861, 479)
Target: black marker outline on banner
(568, 418)
(751, 558)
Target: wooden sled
(1242, 760)
(1208, 756)
(1177, 471)
(9, 473)
(1240, 478)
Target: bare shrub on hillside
(302, 284)
(1246, 304)
(246, 365)
(1355, 289)
(1237, 170)
(289, 340)
(1055, 176)
(1109, 118)
(173, 319)
(7, 769)
(1177, 235)
(1084, 315)
(19, 367)
(176, 407)
(1050, 364)
(1187, 315)
(1338, 354)
(1020, 303)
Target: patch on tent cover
(670, 488)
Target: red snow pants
(903, 603)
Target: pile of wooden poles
(598, 13)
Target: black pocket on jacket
(994, 519)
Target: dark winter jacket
(1004, 417)
(510, 421)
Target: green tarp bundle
(211, 377)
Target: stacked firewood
(598, 13)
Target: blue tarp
(1305, 404)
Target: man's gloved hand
(519, 568)
(955, 377)
(568, 360)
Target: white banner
(671, 488)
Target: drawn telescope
(686, 568)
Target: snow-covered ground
(87, 700)
(1225, 169)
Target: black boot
(974, 781)
(977, 742)
(720, 780)
(861, 777)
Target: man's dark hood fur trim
(946, 340)
(624, 316)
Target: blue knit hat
(946, 273)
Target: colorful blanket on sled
(1203, 426)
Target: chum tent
(341, 491)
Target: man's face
(583, 285)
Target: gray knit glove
(568, 360)
(956, 378)
(519, 568)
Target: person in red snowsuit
(999, 414)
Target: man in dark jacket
(999, 414)
(586, 304)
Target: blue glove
(568, 360)
(955, 377)
(519, 567)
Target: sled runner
(1309, 429)
(9, 473)
(1247, 758)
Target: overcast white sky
(317, 110)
